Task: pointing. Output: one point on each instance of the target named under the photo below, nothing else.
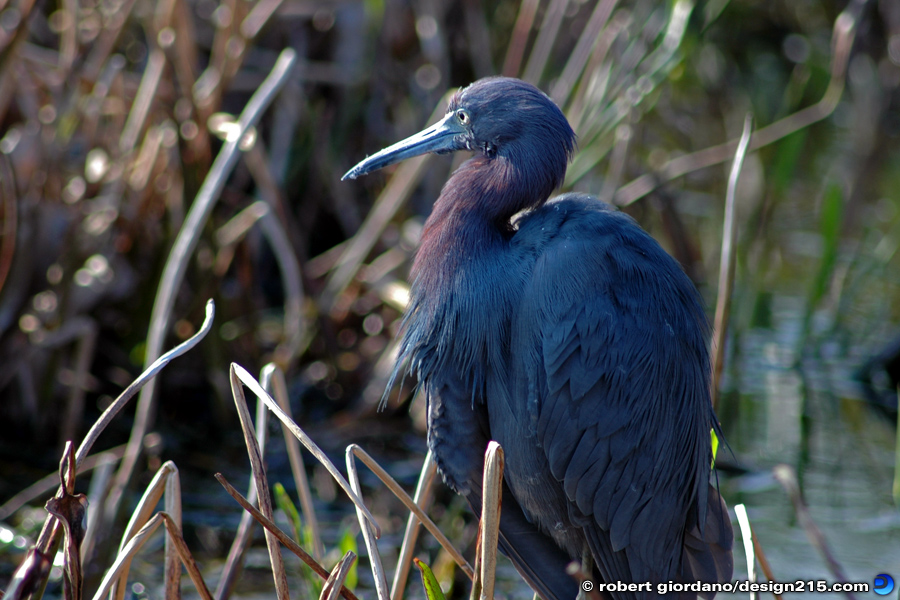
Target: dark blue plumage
(563, 331)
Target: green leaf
(348, 543)
(830, 227)
(787, 154)
(429, 581)
(284, 502)
(715, 446)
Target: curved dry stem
(152, 371)
(282, 536)
(139, 518)
(124, 557)
(381, 587)
(50, 529)
(259, 477)
(278, 389)
(411, 505)
(177, 262)
(254, 386)
(332, 588)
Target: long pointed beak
(444, 136)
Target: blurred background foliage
(111, 112)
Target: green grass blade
(429, 581)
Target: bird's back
(607, 427)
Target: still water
(843, 451)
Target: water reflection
(812, 417)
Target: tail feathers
(707, 557)
(538, 561)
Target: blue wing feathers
(598, 392)
(614, 365)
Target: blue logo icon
(884, 584)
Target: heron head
(498, 117)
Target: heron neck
(471, 217)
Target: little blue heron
(563, 331)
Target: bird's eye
(463, 116)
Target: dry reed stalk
(332, 588)
(401, 495)
(727, 262)
(489, 525)
(422, 498)
(381, 587)
(264, 497)
(176, 264)
(279, 391)
(282, 536)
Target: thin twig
(764, 562)
(184, 554)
